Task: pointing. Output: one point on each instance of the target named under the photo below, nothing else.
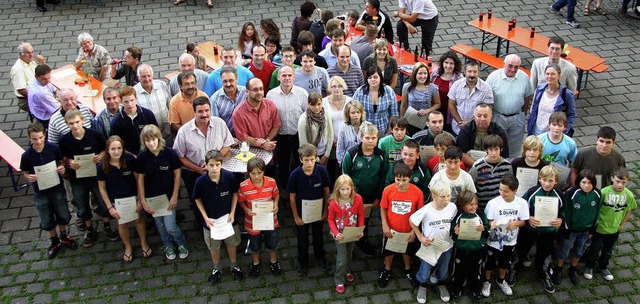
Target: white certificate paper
(127, 209)
(412, 117)
(263, 220)
(262, 206)
(426, 153)
(467, 230)
(47, 175)
(159, 204)
(222, 228)
(311, 210)
(398, 243)
(87, 166)
(428, 254)
(476, 154)
(546, 210)
(350, 233)
(527, 178)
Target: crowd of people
(464, 174)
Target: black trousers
(428, 28)
(287, 156)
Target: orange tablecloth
(64, 77)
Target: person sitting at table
(302, 22)
(94, 55)
(129, 66)
(187, 63)
(473, 133)
(423, 13)
(155, 96)
(201, 61)
(41, 95)
(465, 94)
(419, 94)
(330, 53)
(350, 73)
(260, 65)
(131, 120)
(214, 81)
(373, 15)
(569, 75)
(317, 29)
(378, 99)
(387, 64)
(22, 72)
(102, 121)
(551, 97)
(311, 77)
(315, 127)
(362, 45)
(256, 120)
(273, 47)
(180, 106)
(57, 125)
(443, 75)
(305, 40)
(225, 100)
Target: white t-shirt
(499, 210)
(435, 223)
(462, 182)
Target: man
(512, 93)
(57, 125)
(310, 77)
(288, 56)
(472, 135)
(23, 71)
(302, 22)
(132, 57)
(154, 95)
(131, 120)
(291, 101)
(363, 45)
(569, 74)
(350, 73)
(103, 120)
(423, 14)
(41, 95)
(194, 140)
(256, 120)
(330, 53)
(317, 29)
(435, 125)
(260, 66)
(225, 100)
(372, 15)
(465, 94)
(188, 64)
(181, 105)
(601, 159)
(214, 82)
(305, 40)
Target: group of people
(452, 192)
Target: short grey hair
(64, 90)
(229, 69)
(84, 36)
(144, 66)
(22, 46)
(187, 56)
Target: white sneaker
(486, 289)
(444, 293)
(422, 295)
(607, 274)
(588, 273)
(505, 287)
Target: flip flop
(147, 253)
(127, 258)
(178, 2)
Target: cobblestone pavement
(96, 275)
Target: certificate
(262, 206)
(350, 233)
(263, 221)
(127, 209)
(159, 204)
(87, 166)
(311, 210)
(426, 153)
(367, 210)
(527, 178)
(398, 243)
(467, 230)
(412, 117)
(47, 175)
(546, 210)
(222, 228)
(428, 254)
(563, 174)
(440, 245)
(476, 154)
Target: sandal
(178, 2)
(127, 258)
(601, 11)
(586, 11)
(147, 253)
(210, 5)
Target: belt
(508, 115)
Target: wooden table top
(65, 77)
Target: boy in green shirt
(391, 144)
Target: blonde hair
(344, 180)
(369, 128)
(339, 80)
(439, 188)
(532, 142)
(347, 108)
(150, 132)
(378, 44)
(549, 171)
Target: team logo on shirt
(126, 173)
(593, 203)
(359, 165)
(317, 185)
(87, 148)
(224, 193)
(577, 205)
(164, 168)
(398, 207)
(416, 179)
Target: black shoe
(53, 250)
(573, 276)
(80, 225)
(477, 297)
(383, 279)
(455, 295)
(215, 276)
(68, 242)
(302, 271)
(325, 265)
(90, 238)
(237, 273)
(411, 277)
(254, 271)
(556, 277)
(548, 286)
(511, 278)
(53, 1)
(42, 9)
(365, 247)
(111, 235)
(276, 270)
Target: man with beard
(181, 105)
(472, 135)
(465, 94)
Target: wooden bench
(480, 56)
(11, 152)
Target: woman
(314, 127)
(273, 47)
(247, 38)
(94, 55)
(379, 100)
(334, 106)
(383, 60)
(267, 28)
(201, 61)
(419, 94)
(449, 70)
(551, 97)
(117, 180)
(349, 136)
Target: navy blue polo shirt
(158, 171)
(309, 187)
(91, 142)
(31, 158)
(129, 130)
(120, 183)
(216, 197)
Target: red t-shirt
(264, 74)
(401, 205)
(249, 193)
(346, 215)
(433, 165)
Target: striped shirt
(103, 120)
(353, 78)
(58, 126)
(157, 101)
(486, 178)
(222, 106)
(249, 193)
(387, 106)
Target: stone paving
(96, 275)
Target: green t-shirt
(392, 149)
(615, 206)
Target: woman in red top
(448, 70)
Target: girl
(448, 70)
(273, 47)
(158, 170)
(247, 39)
(551, 97)
(383, 60)
(345, 210)
(349, 136)
(378, 99)
(201, 61)
(116, 180)
(334, 105)
(268, 28)
(419, 94)
(314, 127)
(468, 253)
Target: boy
(457, 179)
(309, 182)
(487, 171)
(558, 147)
(288, 55)
(542, 234)
(399, 201)
(601, 159)
(51, 203)
(506, 214)
(216, 195)
(391, 144)
(420, 176)
(617, 204)
(441, 143)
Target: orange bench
(478, 55)
(12, 153)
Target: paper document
(468, 230)
(222, 228)
(527, 178)
(427, 152)
(414, 119)
(350, 233)
(64, 74)
(311, 210)
(546, 210)
(428, 254)
(126, 207)
(159, 204)
(47, 175)
(398, 243)
(263, 218)
(476, 154)
(87, 166)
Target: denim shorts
(573, 246)
(52, 208)
(270, 239)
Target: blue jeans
(169, 230)
(573, 246)
(51, 205)
(270, 239)
(80, 189)
(442, 271)
(571, 7)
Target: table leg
(507, 48)
(499, 46)
(579, 81)
(14, 181)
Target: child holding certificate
(158, 169)
(345, 210)
(399, 201)
(441, 142)
(308, 189)
(48, 193)
(527, 167)
(436, 219)
(117, 180)
(545, 206)
(458, 180)
(260, 188)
